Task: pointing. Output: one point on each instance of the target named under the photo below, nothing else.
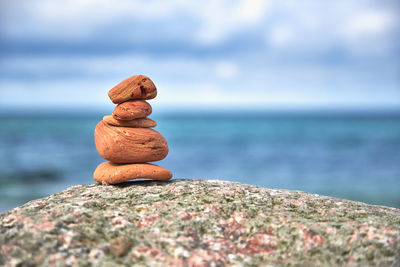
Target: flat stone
(136, 123)
(197, 223)
(112, 173)
(129, 145)
(135, 87)
(132, 109)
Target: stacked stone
(125, 138)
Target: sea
(351, 155)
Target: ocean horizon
(348, 154)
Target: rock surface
(129, 145)
(133, 109)
(135, 87)
(136, 123)
(112, 173)
(197, 223)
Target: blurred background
(300, 95)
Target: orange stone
(135, 87)
(112, 173)
(132, 109)
(136, 123)
(129, 145)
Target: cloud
(226, 70)
(213, 21)
(226, 52)
(220, 19)
(77, 80)
(371, 23)
(281, 36)
(193, 27)
(370, 32)
(317, 28)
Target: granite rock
(197, 223)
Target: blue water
(353, 156)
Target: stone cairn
(125, 138)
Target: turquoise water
(343, 155)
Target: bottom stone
(112, 173)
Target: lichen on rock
(196, 223)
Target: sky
(207, 54)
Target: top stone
(135, 87)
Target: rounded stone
(136, 123)
(132, 109)
(135, 87)
(112, 173)
(129, 145)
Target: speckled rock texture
(197, 223)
